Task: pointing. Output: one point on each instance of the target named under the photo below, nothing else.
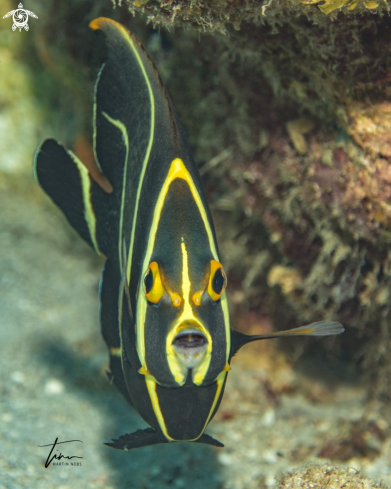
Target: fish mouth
(190, 346)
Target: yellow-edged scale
(164, 312)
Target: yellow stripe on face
(177, 170)
(186, 284)
(118, 124)
(179, 370)
(89, 214)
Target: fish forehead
(181, 224)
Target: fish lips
(190, 347)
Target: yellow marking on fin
(100, 23)
(94, 118)
(88, 209)
(86, 188)
(96, 23)
(119, 125)
(307, 331)
(116, 351)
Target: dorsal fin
(136, 129)
(131, 96)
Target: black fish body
(164, 312)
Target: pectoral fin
(320, 328)
(68, 183)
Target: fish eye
(217, 281)
(153, 287)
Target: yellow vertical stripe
(89, 213)
(151, 386)
(100, 24)
(125, 138)
(94, 119)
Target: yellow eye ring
(153, 287)
(217, 281)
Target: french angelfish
(164, 311)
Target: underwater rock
(310, 476)
(215, 14)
